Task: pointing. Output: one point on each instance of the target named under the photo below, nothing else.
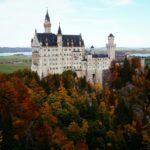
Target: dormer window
(71, 42)
(67, 42)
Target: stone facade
(55, 53)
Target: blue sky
(128, 20)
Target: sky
(128, 20)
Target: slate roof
(49, 38)
(100, 55)
(68, 40)
(75, 39)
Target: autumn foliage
(64, 112)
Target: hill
(14, 49)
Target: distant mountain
(14, 49)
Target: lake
(15, 53)
(140, 55)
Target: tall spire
(59, 37)
(47, 23)
(59, 30)
(47, 16)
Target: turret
(35, 42)
(111, 47)
(59, 36)
(92, 50)
(47, 23)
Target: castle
(55, 53)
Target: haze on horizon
(128, 20)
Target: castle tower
(59, 37)
(92, 50)
(111, 47)
(47, 23)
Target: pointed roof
(35, 31)
(47, 16)
(59, 30)
(111, 35)
(92, 46)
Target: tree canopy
(65, 112)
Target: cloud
(19, 18)
(95, 9)
(105, 5)
(94, 21)
(115, 3)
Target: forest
(64, 112)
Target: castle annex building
(55, 53)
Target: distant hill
(14, 49)
(97, 49)
(122, 50)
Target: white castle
(56, 53)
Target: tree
(126, 71)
